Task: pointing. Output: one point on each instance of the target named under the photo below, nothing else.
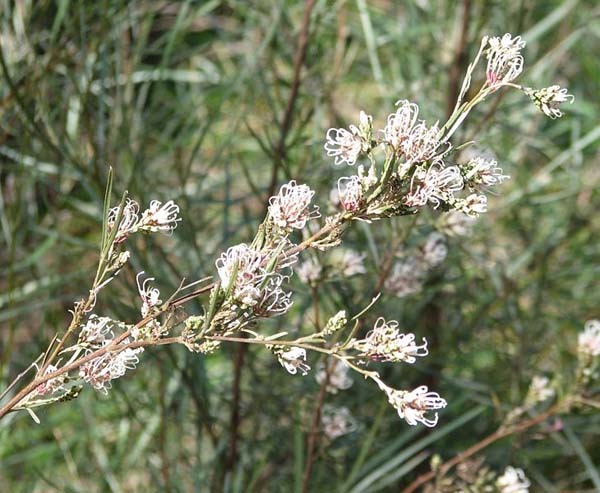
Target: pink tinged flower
(504, 59)
(160, 217)
(549, 99)
(294, 359)
(290, 209)
(51, 385)
(513, 481)
(484, 173)
(350, 193)
(336, 375)
(129, 220)
(400, 124)
(100, 371)
(589, 339)
(346, 145)
(434, 185)
(423, 144)
(414, 406)
(97, 331)
(150, 296)
(456, 223)
(242, 266)
(386, 343)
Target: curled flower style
(504, 59)
(386, 343)
(435, 185)
(160, 217)
(421, 145)
(474, 205)
(483, 173)
(293, 359)
(549, 99)
(337, 421)
(290, 208)
(513, 481)
(273, 299)
(413, 406)
(241, 267)
(309, 271)
(336, 375)
(150, 296)
(129, 220)
(97, 331)
(350, 193)
(407, 277)
(589, 339)
(345, 146)
(435, 249)
(51, 385)
(100, 371)
(400, 124)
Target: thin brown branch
(502, 432)
(461, 59)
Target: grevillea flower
(101, 370)
(150, 296)
(474, 205)
(386, 343)
(337, 421)
(400, 124)
(160, 217)
(482, 173)
(51, 385)
(436, 184)
(346, 145)
(245, 263)
(338, 376)
(504, 59)
(513, 481)
(539, 390)
(549, 99)
(589, 339)
(421, 145)
(129, 220)
(350, 193)
(348, 263)
(456, 223)
(293, 359)
(273, 300)
(413, 406)
(97, 331)
(290, 209)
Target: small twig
(500, 433)
(460, 57)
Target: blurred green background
(185, 100)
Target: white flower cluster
(96, 334)
(158, 217)
(504, 59)
(386, 343)
(513, 481)
(290, 209)
(549, 99)
(293, 359)
(414, 406)
(347, 145)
